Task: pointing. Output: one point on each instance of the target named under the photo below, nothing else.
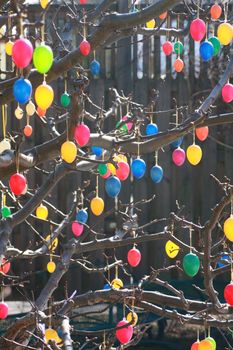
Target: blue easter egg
(113, 186)
(82, 216)
(95, 67)
(223, 261)
(206, 50)
(106, 286)
(177, 143)
(152, 129)
(138, 168)
(22, 90)
(97, 150)
(156, 174)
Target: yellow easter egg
(172, 249)
(132, 317)
(44, 96)
(97, 206)
(225, 33)
(54, 244)
(150, 24)
(9, 47)
(68, 151)
(117, 283)
(42, 212)
(194, 154)
(51, 266)
(44, 3)
(111, 168)
(51, 334)
(228, 228)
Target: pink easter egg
(125, 334)
(129, 124)
(77, 228)
(178, 156)
(82, 134)
(105, 176)
(227, 93)
(198, 29)
(3, 310)
(22, 53)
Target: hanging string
(156, 157)
(177, 116)
(67, 129)
(2, 292)
(97, 186)
(194, 136)
(43, 29)
(21, 26)
(94, 54)
(151, 116)
(83, 108)
(137, 131)
(232, 205)
(124, 309)
(198, 9)
(231, 268)
(226, 11)
(104, 340)
(27, 119)
(65, 83)
(208, 331)
(206, 36)
(190, 238)
(17, 160)
(116, 271)
(4, 121)
(84, 28)
(198, 335)
(50, 315)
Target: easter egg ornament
(3, 310)
(227, 93)
(97, 206)
(178, 65)
(18, 113)
(5, 145)
(228, 293)
(117, 283)
(177, 143)
(134, 257)
(85, 47)
(82, 134)
(30, 108)
(215, 12)
(178, 156)
(132, 318)
(216, 44)
(68, 151)
(225, 33)
(202, 133)
(44, 3)
(151, 129)
(27, 130)
(41, 112)
(138, 168)
(212, 342)
(195, 346)
(228, 228)
(197, 29)
(42, 212)
(102, 169)
(95, 67)
(82, 216)
(194, 154)
(191, 264)
(113, 186)
(6, 212)
(17, 184)
(178, 47)
(5, 267)
(77, 228)
(171, 249)
(22, 90)
(163, 15)
(44, 96)
(124, 335)
(206, 50)
(65, 100)
(205, 344)
(156, 174)
(167, 48)
(43, 58)
(9, 47)
(150, 24)
(51, 334)
(22, 52)
(122, 171)
(98, 151)
(51, 266)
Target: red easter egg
(134, 257)
(122, 171)
(198, 29)
(125, 334)
(167, 48)
(77, 228)
(228, 293)
(22, 52)
(40, 112)
(85, 47)
(3, 310)
(163, 15)
(82, 134)
(178, 65)
(202, 133)
(17, 184)
(195, 345)
(105, 176)
(27, 130)
(215, 11)
(5, 267)
(83, 2)
(227, 93)
(178, 156)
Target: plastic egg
(198, 29)
(138, 168)
(53, 244)
(51, 334)
(41, 112)
(124, 335)
(44, 3)
(134, 257)
(205, 345)
(106, 286)
(65, 100)
(97, 206)
(22, 52)
(51, 266)
(42, 212)
(82, 134)
(151, 129)
(215, 11)
(122, 171)
(98, 151)
(95, 67)
(117, 283)
(178, 47)
(43, 58)
(19, 113)
(77, 228)
(227, 93)
(167, 48)
(178, 65)
(228, 294)
(228, 228)
(163, 15)
(194, 154)
(171, 249)
(212, 341)
(6, 212)
(5, 145)
(106, 176)
(5, 267)
(216, 44)
(150, 24)
(68, 151)
(30, 108)
(202, 133)
(22, 90)
(82, 2)
(132, 318)
(27, 130)
(195, 346)
(44, 96)
(17, 184)
(111, 168)
(102, 169)
(206, 50)
(82, 216)
(225, 33)
(9, 47)
(113, 186)
(85, 48)
(156, 174)
(191, 264)
(3, 310)
(178, 156)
